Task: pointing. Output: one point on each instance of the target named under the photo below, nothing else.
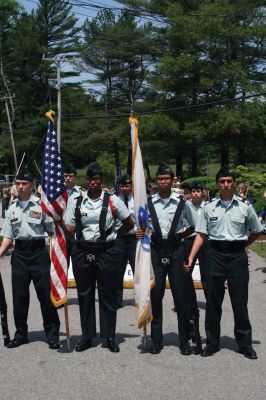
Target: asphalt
(34, 371)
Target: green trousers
(105, 271)
(234, 269)
(201, 256)
(27, 266)
(179, 291)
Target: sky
(81, 13)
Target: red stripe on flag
(55, 293)
(57, 207)
(59, 269)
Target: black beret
(164, 169)
(196, 185)
(225, 171)
(24, 175)
(125, 180)
(94, 169)
(69, 169)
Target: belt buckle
(91, 257)
(165, 261)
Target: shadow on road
(229, 343)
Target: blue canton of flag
(53, 183)
(144, 223)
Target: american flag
(54, 203)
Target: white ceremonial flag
(144, 278)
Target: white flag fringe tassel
(143, 277)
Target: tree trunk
(194, 159)
(224, 154)
(179, 166)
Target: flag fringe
(57, 303)
(145, 317)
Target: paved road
(33, 371)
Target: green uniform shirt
(198, 209)
(90, 215)
(28, 223)
(230, 223)
(73, 193)
(165, 211)
(132, 213)
(76, 191)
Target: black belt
(93, 249)
(29, 244)
(225, 246)
(166, 247)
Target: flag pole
(145, 338)
(67, 326)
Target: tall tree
(117, 52)
(212, 51)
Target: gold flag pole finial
(50, 115)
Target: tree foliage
(186, 67)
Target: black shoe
(156, 347)
(16, 342)
(186, 349)
(209, 351)
(112, 345)
(54, 344)
(248, 352)
(85, 345)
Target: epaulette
(245, 201)
(81, 190)
(75, 198)
(182, 197)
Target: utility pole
(6, 100)
(58, 61)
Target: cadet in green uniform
(73, 192)
(167, 254)
(227, 221)
(27, 224)
(128, 240)
(197, 203)
(97, 256)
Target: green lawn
(260, 249)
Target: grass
(260, 249)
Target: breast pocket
(35, 225)
(237, 224)
(213, 226)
